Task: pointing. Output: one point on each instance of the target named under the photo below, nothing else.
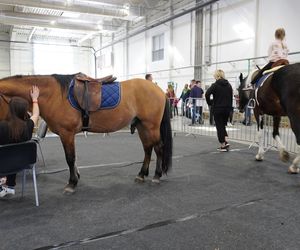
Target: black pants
(231, 116)
(211, 116)
(260, 73)
(11, 180)
(221, 116)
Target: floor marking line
(147, 227)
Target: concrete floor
(210, 200)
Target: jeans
(196, 111)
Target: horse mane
(63, 80)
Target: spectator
(18, 128)
(175, 108)
(185, 94)
(149, 77)
(247, 117)
(221, 91)
(171, 96)
(195, 95)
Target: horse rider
(277, 54)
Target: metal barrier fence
(238, 128)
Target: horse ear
(241, 77)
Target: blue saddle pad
(110, 93)
(262, 80)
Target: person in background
(18, 128)
(171, 96)
(222, 92)
(149, 77)
(278, 50)
(247, 116)
(195, 95)
(185, 94)
(200, 102)
(175, 108)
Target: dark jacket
(196, 92)
(185, 94)
(222, 94)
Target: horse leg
(295, 125)
(68, 142)
(158, 148)
(260, 135)
(294, 169)
(145, 167)
(284, 155)
(149, 137)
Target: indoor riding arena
(149, 124)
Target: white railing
(237, 130)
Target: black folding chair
(19, 157)
(39, 137)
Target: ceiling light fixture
(53, 22)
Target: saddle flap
(88, 94)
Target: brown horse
(278, 96)
(143, 105)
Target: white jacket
(278, 50)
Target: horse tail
(167, 140)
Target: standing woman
(278, 50)
(221, 104)
(18, 128)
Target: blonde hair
(219, 74)
(280, 33)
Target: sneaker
(227, 144)
(2, 181)
(224, 148)
(6, 191)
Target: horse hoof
(284, 156)
(259, 158)
(139, 179)
(69, 189)
(293, 170)
(155, 180)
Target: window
(49, 59)
(158, 48)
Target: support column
(126, 54)
(256, 42)
(113, 51)
(198, 43)
(171, 44)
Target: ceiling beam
(55, 5)
(37, 18)
(46, 24)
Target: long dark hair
(18, 114)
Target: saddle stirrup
(251, 103)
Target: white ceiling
(71, 20)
